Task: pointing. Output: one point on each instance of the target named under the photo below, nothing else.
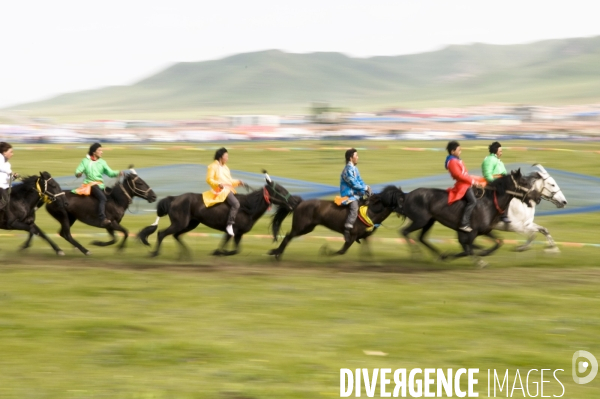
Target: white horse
(521, 215)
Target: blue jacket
(351, 184)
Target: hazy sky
(49, 47)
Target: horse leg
(278, 252)
(424, 232)
(465, 243)
(236, 241)
(345, 247)
(185, 251)
(176, 226)
(123, 230)
(27, 243)
(43, 235)
(497, 244)
(33, 229)
(551, 244)
(414, 226)
(113, 240)
(221, 251)
(365, 248)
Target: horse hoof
(60, 253)
(87, 253)
(481, 264)
(522, 248)
(552, 250)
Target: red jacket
(463, 180)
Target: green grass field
(126, 326)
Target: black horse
(425, 206)
(25, 199)
(85, 209)
(187, 211)
(309, 214)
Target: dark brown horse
(25, 199)
(85, 209)
(425, 206)
(312, 213)
(187, 211)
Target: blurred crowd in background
(483, 122)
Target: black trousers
(98, 193)
(471, 202)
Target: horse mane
(117, 193)
(389, 195)
(251, 203)
(500, 185)
(28, 183)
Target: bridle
(551, 195)
(45, 196)
(276, 193)
(135, 191)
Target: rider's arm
(81, 168)
(456, 171)
(5, 168)
(211, 177)
(351, 178)
(109, 172)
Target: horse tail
(161, 210)
(280, 215)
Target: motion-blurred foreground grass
(126, 326)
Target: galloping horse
(425, 206)
(85, 209)
(309, 214)
(25, 199)
(187, 211)
(521, 214)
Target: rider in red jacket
(464, 182)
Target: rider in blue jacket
(353, 187)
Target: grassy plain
(125, 326)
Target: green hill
(548, 72)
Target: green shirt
(492, 165)
(94, 170)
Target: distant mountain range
(549, 72)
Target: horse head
(392, 197)
(547, 187)
(49, 190)
(278, 195)
(135, 186)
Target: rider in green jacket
(493, 168)
(93, 166)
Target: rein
(136, 191)
(45, 196)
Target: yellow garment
(215, 175)
(362, 215)
(86, 189)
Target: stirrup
(466, 229)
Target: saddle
(85, 189)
